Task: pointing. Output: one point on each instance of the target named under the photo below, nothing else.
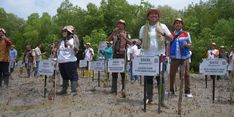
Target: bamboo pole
(182, 71)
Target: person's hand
(68, 44)
(185, 44)
(115, 29)
(123, 34)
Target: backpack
(76, 43)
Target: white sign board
(20, 64)
(83, 63)
(116, 65)
(92, 65)
(146, 65)
(46, 67)
(213, 67)
(99, 65)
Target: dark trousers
(69, 71)
(4, 73)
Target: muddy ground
(24, 98)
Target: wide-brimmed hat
(87, 43)
(69, 28)
(109, 42)
(121, 21)
(151, 10)
(3, 30)
(178, 19)
(213, 43)
(222, 47)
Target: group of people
(214, 53)
(155, 39)
(32, 58)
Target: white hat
(1, 29)
(69, 28)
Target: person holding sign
(67, 61)
(152, 36)
(180, 55)
(120, 39)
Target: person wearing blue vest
(13, 57)
(179, 55)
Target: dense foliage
(207, 21)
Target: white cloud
(23, 8)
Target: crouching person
(67, 61)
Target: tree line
(208, 21)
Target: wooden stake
(182, 70)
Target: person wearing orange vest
(5, 46)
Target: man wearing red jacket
(180, 54)
(5, 46)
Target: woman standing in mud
(152, 36)
(67, 61)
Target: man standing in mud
(180, 54)
(5, 46)
(120, 40)
(152, 36)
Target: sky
(24, 8)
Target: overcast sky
(23, 8)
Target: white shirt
(89, 53)
(154, 50)
(38, 54)
(66, 54)
(135, 51)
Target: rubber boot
(149, 93)
(114, 85)
(64, 88)
(74, 85)
(6, 80)
(1, 78)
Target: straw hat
(213, 43)
(3, 30)
(222, 47)
(69, 28)
(121, 21)
(151, 10)
(88, 43)
(178, 19)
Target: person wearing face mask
(153, 36)
(67, 61)
(5, 46)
